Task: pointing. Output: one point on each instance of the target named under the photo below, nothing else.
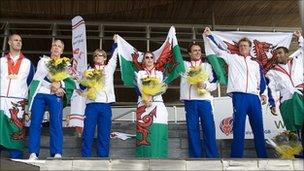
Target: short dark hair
(193, 44)
(245, 39)
(190, 45)
(282, 47)
(148, 52)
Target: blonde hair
(58, 40)
(100, 51)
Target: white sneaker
(33, 156)
(57, 156)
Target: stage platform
(177, 143)
(122, 155)
(154, 164)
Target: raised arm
(113, 60)
(299, 54)
(300, 38)
(215, 45)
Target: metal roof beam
(160, 25)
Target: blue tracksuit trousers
(55, 107)
(14, 154)
(200, 110)
(100, 115)
(243, 104)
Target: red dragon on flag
(260, 50)
(165, 58)
(19, 122)
(143, 124)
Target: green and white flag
(152, 131)
(169, 59)
(12, 132)
(263, 44)
(35, 85)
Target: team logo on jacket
(226, 125)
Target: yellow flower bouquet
(152, 86)
(58, 68)
(196, 75)
(286, 144)
(94, 81)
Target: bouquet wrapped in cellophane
(196, 75)
(58, 68)
(286, 144)
(93, 79)
(152, 86)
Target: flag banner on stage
(79, 44)
(263, 44)
(152, 131)
(12, 131)
(169, 59)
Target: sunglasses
(98, 55)
(148, 57)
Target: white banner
(79, 44)
(223, 113)
(263, 43)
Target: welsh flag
(152, 131)
(12, 133)
(152, 125)
(168, 59)
(263, 44)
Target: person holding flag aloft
(244, 79)
(150, 72)
(195, 87)
(98, 86)
(151, 113)
(286, 77)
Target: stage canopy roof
(270, 13)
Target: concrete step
(178, 144)
(164, 164)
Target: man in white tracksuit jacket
(16, 73)
(286, 77)
(244, 79)
(199, 107)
